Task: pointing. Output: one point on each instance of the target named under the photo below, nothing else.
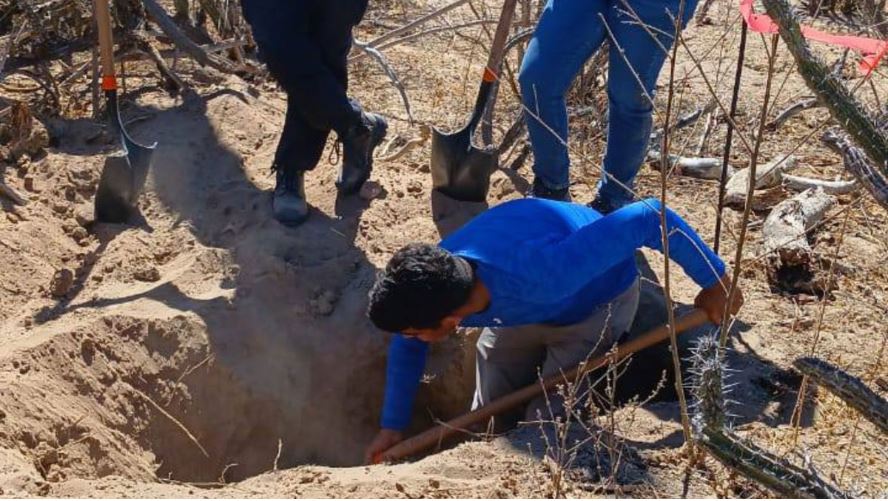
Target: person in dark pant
(305, 44)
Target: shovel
(461, 170)
(436, 435)
(125, 172)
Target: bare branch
(376, 42)
(389, 72)
(791, 111)
(163, 20)
(798, 183)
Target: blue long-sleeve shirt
(552, 263)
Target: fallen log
(767, 176)
(799, 183)
(785, 229)
(848, 388)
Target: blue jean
(568, 34)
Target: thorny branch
(848, 388)
(744, 457)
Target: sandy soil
(207, 351)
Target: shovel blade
(459, 169)
(116, 193)
(124, 173)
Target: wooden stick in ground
(729, 137)
(727, 319)
(664, 234)
(436, 435)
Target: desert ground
(205, 350)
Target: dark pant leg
(306, 51)
(301, 145)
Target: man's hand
(383, 440)
(714, 299)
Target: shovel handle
(436, 435)
(106, 44)
(498, 47)
(494, 61)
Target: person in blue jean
(568, 34)
(550, 282)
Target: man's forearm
(687, 249)
(406, 363)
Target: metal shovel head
(124, 173)
(460, 170)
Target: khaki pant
(510, 358)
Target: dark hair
(420, 286)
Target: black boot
(357, 155)
(539, 190)
(288, 203)
(602, 205)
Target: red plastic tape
(871, 49)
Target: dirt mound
(191, 346)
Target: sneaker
(288, 202)
(357, 156)
(539, 190)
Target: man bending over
(550, 282)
